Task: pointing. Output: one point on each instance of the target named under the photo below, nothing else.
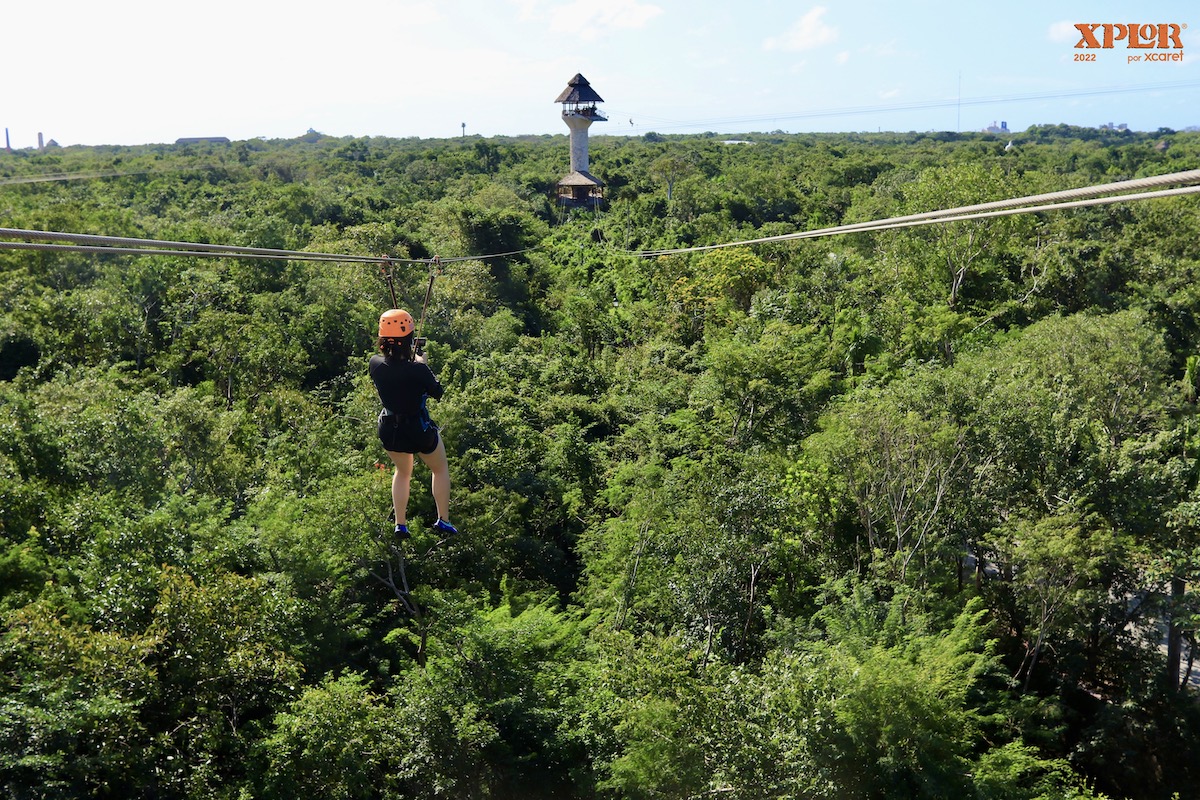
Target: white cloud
(527, 8)
(889, 94)
(587, 20)
(1063, 31)
(809, 32)
(420, 13)
(885, 50)
(842, 57)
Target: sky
(129, 72)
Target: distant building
(993, 129)
(202, 140)
(1117, 127)
(580, 187)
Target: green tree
(339, 740)
(224, 660)
(74, 717)
(901, 455)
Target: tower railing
(578, 110)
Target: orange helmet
(395, 323)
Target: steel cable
(119, 245)
(989, 209)
(1075, 198)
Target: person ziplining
(404, 381)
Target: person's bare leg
(440, 467)
(401, 480)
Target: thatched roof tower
(579, 111)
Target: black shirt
(404, 385)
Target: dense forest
(911, 513)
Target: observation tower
(580, 187)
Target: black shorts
(408, 434)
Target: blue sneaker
(443, 527)
(402, 531)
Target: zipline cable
(890, 224)
(1075, 198)
(69, 176)
(661, 124)
(994, 208)
(1095, 201)
(140, 251)
(119, 245)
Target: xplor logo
(1166, 38)
(1163, 35)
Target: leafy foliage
(893, 514)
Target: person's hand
(421, 359)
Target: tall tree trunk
(1174, 634)
(1191, 660)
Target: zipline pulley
(435, 270)
(386, 268)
